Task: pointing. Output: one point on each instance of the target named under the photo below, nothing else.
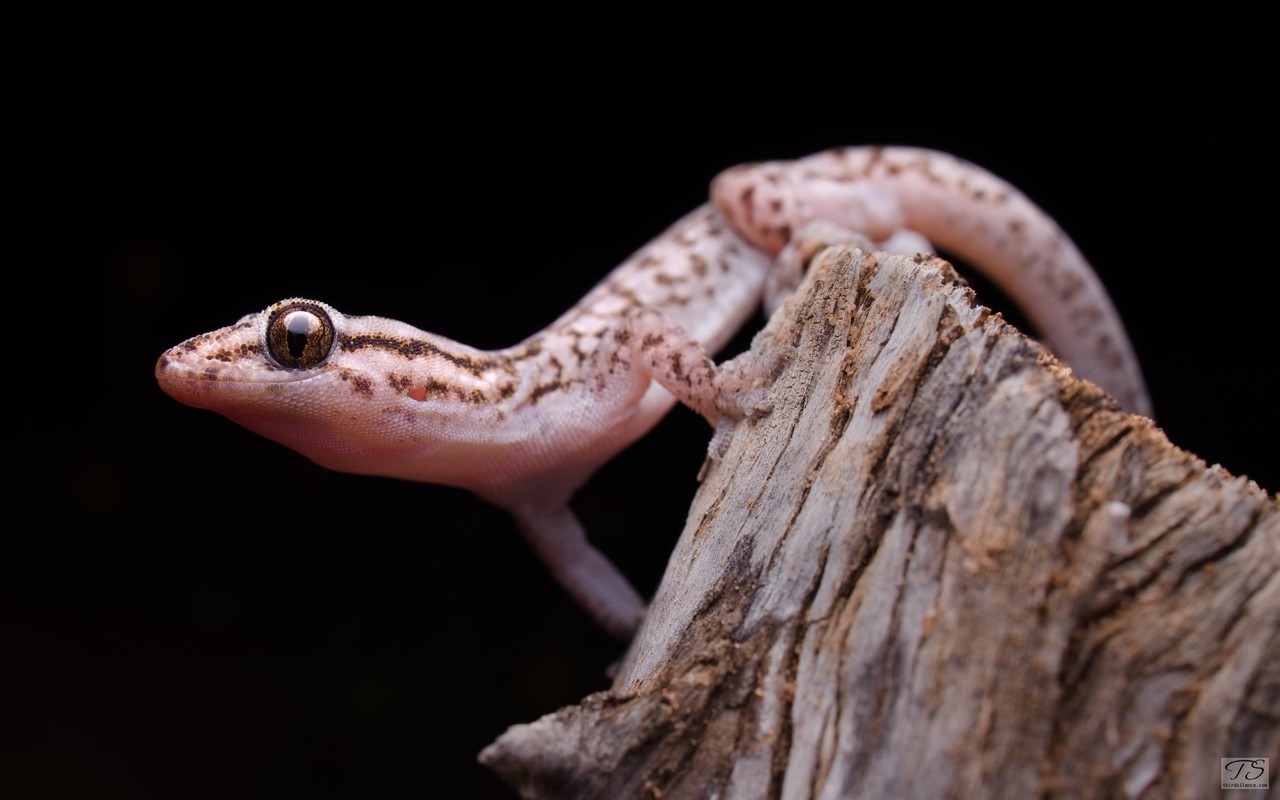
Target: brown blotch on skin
(651, 340)
(1110, 352)
(434, 388)
(622, 336)
(438, 388)
(929, 174)
(698, 264)
(686, 237)
(414, 348)
(399, 383)
(544, 389)
(362, 385)
(506, 390)
(629, 296)
(359, 383)
(227, 355)
(530, 350)
(677, 366)
(1070, 287)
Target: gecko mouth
(193, 378)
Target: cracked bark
(941, 567)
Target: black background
(191, 611)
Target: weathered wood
(941, 566)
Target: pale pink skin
(524, 427)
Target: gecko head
(288, 343)
(282, 374)
(353, 393)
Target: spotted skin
(525, 426)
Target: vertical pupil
(298, 327)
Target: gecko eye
(299, 335)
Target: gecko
(524, 427)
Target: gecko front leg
(643, 360)
(676, 361)
(647, 354)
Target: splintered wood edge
(941, 564)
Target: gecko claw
(718, 446)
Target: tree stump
(942, 566)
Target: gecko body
(525, 426)
(960, 208)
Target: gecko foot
(744, 380)
(743, 384)
(718, 446)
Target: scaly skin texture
(525, 426)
